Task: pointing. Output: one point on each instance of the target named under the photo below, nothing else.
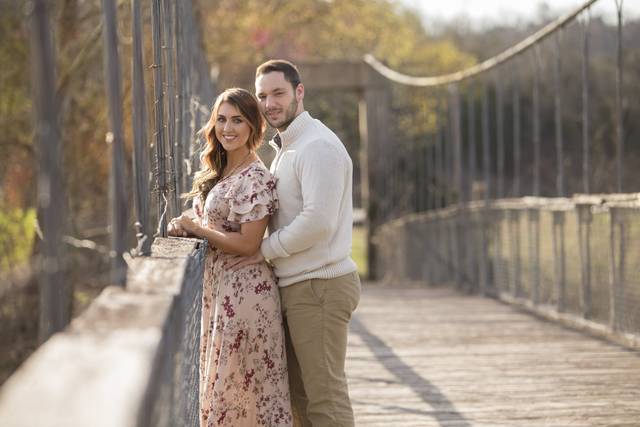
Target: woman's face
(232, 129)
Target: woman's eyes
(234, 120)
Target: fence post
(54, 295)
(474, 248)
(499, 136)
(516, 136)
(117, 188)
(484, 250)
(458, 217)
(498, 261)
(449, 183)
(557, 67)
(140, 151)
(471, 127)
(486, 153)
(373, 115)
(585, 218)
(585, 108)
(536, 122)
(440, 168)
(169, 55)
(158, 83)
(514, 253)
(617, 266)
(559, 259)
(619, 112)
(534, 253)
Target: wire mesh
(535, 133)
(571, 257)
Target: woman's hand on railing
(174, 229)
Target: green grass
(359, 250)
(17, 228)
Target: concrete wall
(130, 360)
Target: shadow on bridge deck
(434, 357)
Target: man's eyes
(263, 97)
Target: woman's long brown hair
(214, 156)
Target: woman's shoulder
(255, 177)
(252, 196)
(258, 171)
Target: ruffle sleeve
(252, 196)
(198, 208)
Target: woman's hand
(185, 223)
(175, 228)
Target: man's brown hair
(290, 71)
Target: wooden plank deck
(434, 357)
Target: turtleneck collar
(293, 131)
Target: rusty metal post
(140, 148)
(536, 122)
(116, 139)
(499, 136)
(619, 112)
(158, 83)
(557, 84)
(54, 296)
(586, 188)
(516, 135)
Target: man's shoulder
(318, 136)
(323, 131)
(322, 146)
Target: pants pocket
(318, 289)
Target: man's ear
(300, 92)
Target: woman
(243, 374)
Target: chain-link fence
(69, 258)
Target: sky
(488, 12)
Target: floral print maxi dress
(243, 369)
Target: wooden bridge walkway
(434, 357)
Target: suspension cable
(488, 64)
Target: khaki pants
(317, 314)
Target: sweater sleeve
(323, 172)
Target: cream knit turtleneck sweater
(310, 233)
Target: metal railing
(183, 91)
(468, 209)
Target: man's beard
(289, 116)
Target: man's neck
(284, 128)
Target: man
(309, 246)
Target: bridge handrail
(485, 65)
(566, 259)
(131, 359)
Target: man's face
(279, 103)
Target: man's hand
(238, 262)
